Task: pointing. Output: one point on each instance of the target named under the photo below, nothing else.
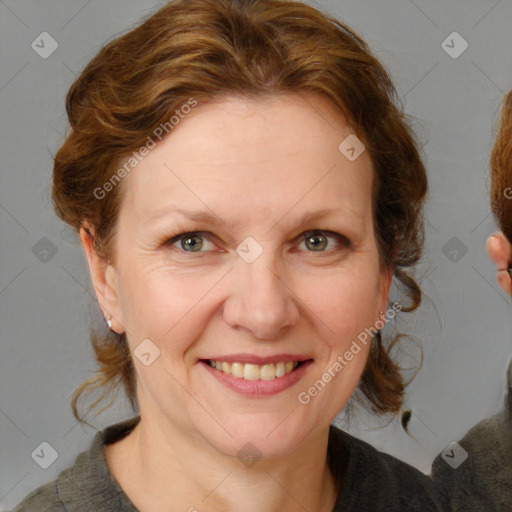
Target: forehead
(242, 156)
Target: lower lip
(259, 387)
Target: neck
(165, 468)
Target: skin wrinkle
(178, 453)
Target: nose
(261, 300)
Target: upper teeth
(254, 371)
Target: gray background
(46, 299)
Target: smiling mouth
(269, 371)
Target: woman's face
(249, 286)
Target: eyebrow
(211, 218)
(198, 216)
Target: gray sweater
(483, 482)
(368, 480)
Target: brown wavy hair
(208, 49)
(501, 170)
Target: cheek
(345, 303)
(163, 305)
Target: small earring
(109, 323)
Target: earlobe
(104, 279)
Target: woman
(245, 189)
(483, 482)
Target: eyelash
(345, 242)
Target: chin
(250, 438)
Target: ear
(500, 252)
(104, 280)
(385, 285)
